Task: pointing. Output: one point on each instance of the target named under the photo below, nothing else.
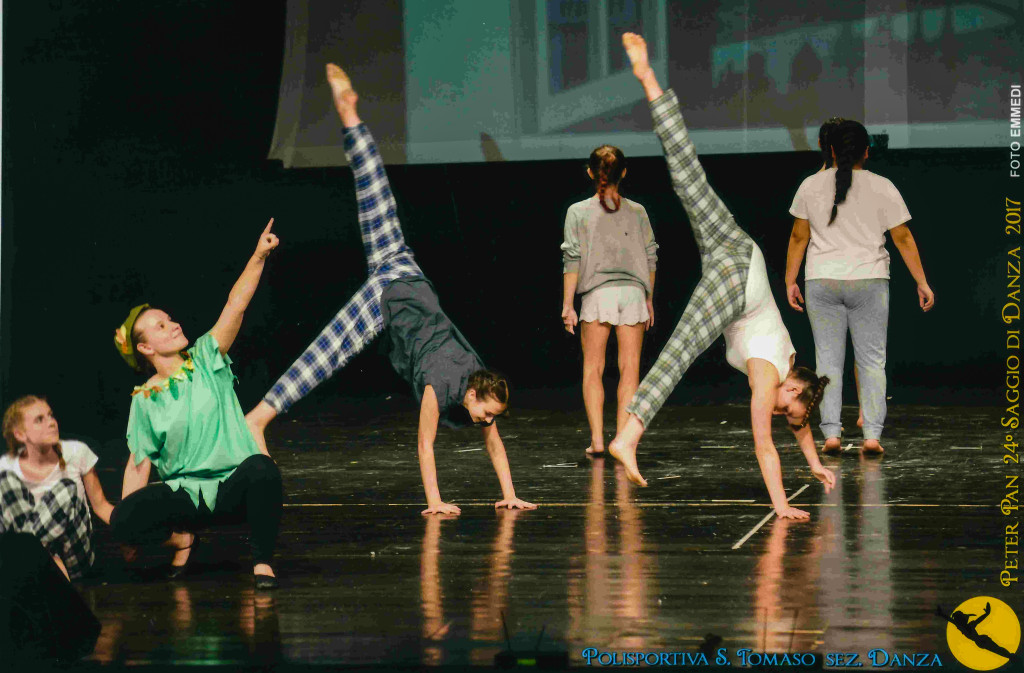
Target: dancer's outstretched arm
(430, 413)
(230, 319)
(764, 380)
(805, 440)
(496, 450)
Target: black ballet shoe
(176, 572)
(264, 582)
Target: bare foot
(860, 418)
(595, 450)
(345, 96)
(832, 446)
(623, 449)
(257, 421)
(263, 569)
(636, 50)
(871, 447)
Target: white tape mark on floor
(766, 519)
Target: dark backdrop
(134, 144)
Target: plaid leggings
(388, 258)
(725, 252)
(59, 519)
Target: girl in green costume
(187, 423)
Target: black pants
(252, 494)
(41, 615)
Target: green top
(191, 426)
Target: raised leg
(716, 302)
(348, 333)
(712, 223)
(378, 214)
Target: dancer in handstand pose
(732, 298)
(426, 349)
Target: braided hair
(850, 141)
(488, 384)
(825, 141)
(607, 164)
(814, 389)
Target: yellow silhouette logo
(983, 633)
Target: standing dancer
(609, 257)
(732, 298)
(841, 217)
(186, 422)
(426, 349)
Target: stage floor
(365, 579)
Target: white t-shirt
(759, 332)
(78, 457)
(853, 246)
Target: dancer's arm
(496, 450)
(94, 491)
(651, 247)
(569, 317)
(230, 319)
(986, 613)
(905, 243)
(135, 476)
(794, 258)
(570, 270)
(430, 413)
(764, 379)
(650, 304)
(805, 440)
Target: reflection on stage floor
(600, 564)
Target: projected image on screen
(463, 80)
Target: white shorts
(621, 303)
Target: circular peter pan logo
(983, 633)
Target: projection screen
(470, 80)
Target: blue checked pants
(387, 258)
(725, 252)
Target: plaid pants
(388, 258)
(60, 520)
(725, 252)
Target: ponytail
(607, 164)
(60, 456)
(850, 141)
(825, 140)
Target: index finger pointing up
(269, 225)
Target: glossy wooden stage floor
(367, 580)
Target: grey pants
(862, 307)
